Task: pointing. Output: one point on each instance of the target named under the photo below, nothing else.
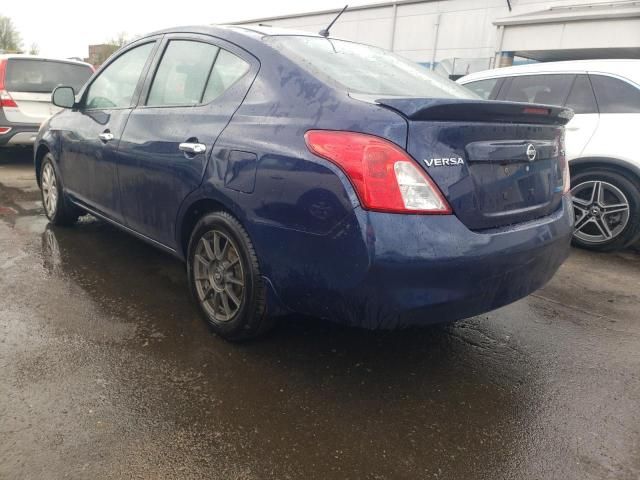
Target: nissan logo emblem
(531, 152)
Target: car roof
(23, 56)
(222, 31)
(627, 68)
(265, 30)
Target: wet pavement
(107, 371)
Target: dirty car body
(341, 189)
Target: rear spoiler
(463, 110)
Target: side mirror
(63, 97)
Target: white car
(601, 142)
(26, 83)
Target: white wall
(466, 26)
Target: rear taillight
(5, 98)
(384, 176)
(4, 130)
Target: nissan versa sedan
(298, 173)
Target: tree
(121, 40)
(34, 49)
(9, 37)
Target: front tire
(607, 210)
(225, 280)
(58, 209)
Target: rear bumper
(445, 272)
(20, 134)
(389, 271)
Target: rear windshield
(365, 69)
(42, 76)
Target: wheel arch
(631, 174)
(41, 151)
(623, 167)
(192, 213)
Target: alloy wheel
(219, 277)
(601, 211)
(49, 190)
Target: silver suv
(26, 83)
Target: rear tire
(607, 210)
(225, 279)
(58, 209)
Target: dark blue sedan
(297, 173)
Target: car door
(91, 141)
(196, 86)
(618, 102)
(585, 122)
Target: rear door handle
(192, 148)
(106, 136)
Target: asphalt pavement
(107, 371)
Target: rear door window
(116, 84)
(581, 98)
(182, 74)
(192, 73)
(485, 89)
(42, 76)
(227, 71)
(615, 95)
(550, 89)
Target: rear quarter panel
(616, 137)
(300, 213)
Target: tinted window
(227, 70)
(615, 96)
(545, 89)
(42, 76)
(581, 98)
(483, 88)
(365, 69)
(115, 86)
(182, 74)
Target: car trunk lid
(497, 163)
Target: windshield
(42, 76)
(365, 69)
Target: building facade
(99, 53)
(463, 36)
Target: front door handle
(192, 148)
(106, 136)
